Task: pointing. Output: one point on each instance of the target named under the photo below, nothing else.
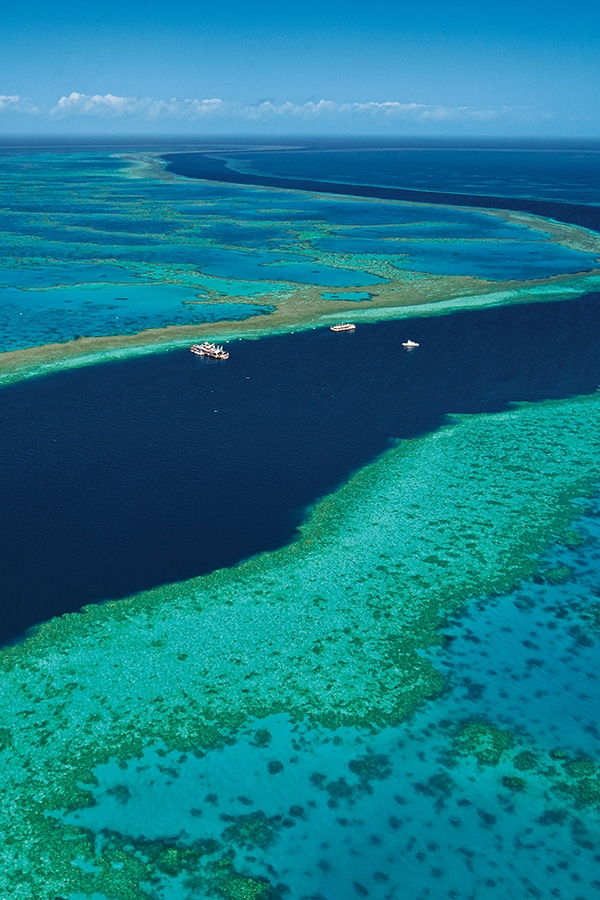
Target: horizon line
(441, 140)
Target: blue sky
(328, 67)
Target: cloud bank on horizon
(138, 111)
(108, 105)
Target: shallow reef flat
(108, 255)
(332, 631)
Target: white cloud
(9, 102)
(329, 108)
(14, 103)
(146, 108)
(109, 106)
(97, 105)
(391, 109)
(186, 109)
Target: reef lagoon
(321, 620)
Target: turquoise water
(402, 812)
(271, 266)
(499, 260)
(453, 225)
(144, 727)
(103, 247)
(549, 636)
(96, 310)
(56, 272)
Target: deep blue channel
(120, 477)
(442, 189)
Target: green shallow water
(330, 630)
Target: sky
(442, 67)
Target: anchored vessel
(410, 344)
(207, 349)
(345, 326)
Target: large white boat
(344, 326)
(410, 344)
(215, 351)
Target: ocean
(321, 620)
(123, 477)
(555, 179)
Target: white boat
(215, 351)
(410, 344)
(345, 326)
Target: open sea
(121, 477)
(143, 472)
(554, 179)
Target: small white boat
(344, 326)
(410, 344)
(215, 351)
